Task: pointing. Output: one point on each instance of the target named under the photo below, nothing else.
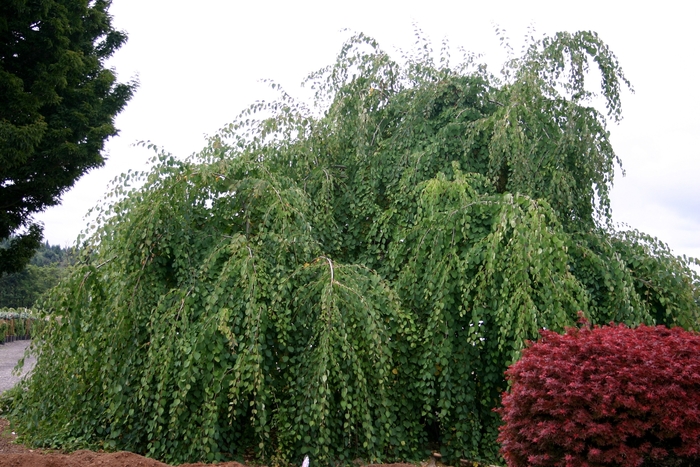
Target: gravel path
(10, 353)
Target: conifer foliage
(352, 279)
(58, 102)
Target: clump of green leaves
(352, 280)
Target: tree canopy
(351, 279)
(22, 289)
(57, 108)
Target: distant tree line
(22, 289)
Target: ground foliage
(351, 279)
(607, 396)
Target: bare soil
(18, 455)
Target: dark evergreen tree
(57, 108)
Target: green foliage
(53, 255)
(19, 323)
(18, 250)
(47, 266)
(351, 280)
(23, 289)
(57, 108)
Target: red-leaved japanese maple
(607, 396)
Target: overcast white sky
(199, 64)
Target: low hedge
(18, 324)
(607, 396)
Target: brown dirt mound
(88, 459)
(103, 459)
(17, 455)
(77, 459)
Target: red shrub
(608, 396)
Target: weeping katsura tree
(351, 279)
